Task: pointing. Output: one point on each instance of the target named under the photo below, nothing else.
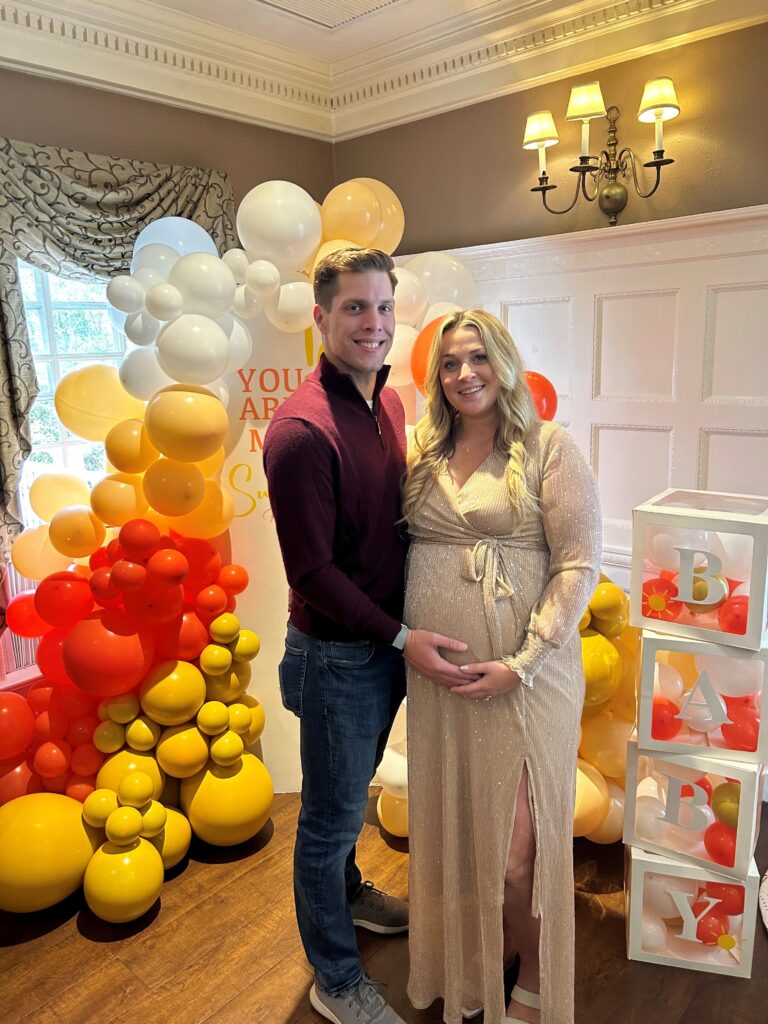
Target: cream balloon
(125, 293)
(237, 261)
(352, 210)
(290, 308)
(193, 349)
(649, 813)
(329, 247)
(688, 832)
(611, 828)
(278, 221)
(653, 933)
(392, 773)
(33, 555)
(51, 492)
(410, 298)
(240, 345)
(399, 357)
(157, 256)
(141, 328)
(148, 277)
(392, 215)
(439, 309)
(445, 278)
(667, 682)
(206, 284)
(141, 374)
(164, 301)
(656, 898)
(732, 676)
(662, 542)
(735, 550)
(262, 278)
(246, 304)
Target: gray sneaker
(379, 912)
(363, 1006)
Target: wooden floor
(221, 946)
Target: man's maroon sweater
(334, 471)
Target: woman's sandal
(525, 998)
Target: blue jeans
(346, 696)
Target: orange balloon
(420, 353)
(118, 498)
(75, 531)
(174, 488)
(128, 447)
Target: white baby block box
(703, 698)
(699, 566)
(683, 916)
(693, 808)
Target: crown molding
(156, 53)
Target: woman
(506, 539)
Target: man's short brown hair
(348, 261)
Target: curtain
(77, 215)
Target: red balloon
(155, 605)
(106, 654)
(79, 787)
(57, 783)
(63, 598)
(664, 724)
(183, 639)
(17, 724)
(732, 614)
(720, 843)
(17, 779)
(22, 616)
(204, 562)
(103, 589)
(167, 568)
(233, 579)
(420, 353)
(702, 783)
(139, 538)
(73, 702)
(128, 575)
(52, 724)
(731, 896)
(543, 394)
(115, 551)
(231, 603)
(52, 759)
(49, 657)
(743, 730)
(712, 925)
(81, 730)
(86, 759)
(99, 559)
(210, 602)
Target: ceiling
(334, 69)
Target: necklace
(469, 448)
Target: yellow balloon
(182, 751)
(173, 842)
(608, 601)
(174, 488)
(213, 718)
(227, 805)
(153, 819)
(330, 247)
(604, 742)
(351, 210)
(108, 737)
(142, 733)
(392, 216)
(611, 829)
(129, 448)
(230, 686)
(123, 826)
(625, 697)
(173, 692)
(725, 803)
(602, 669)
(51, 492)
(246, 646)
(257, 719)
(592, 799)
(34, 556)
(225, 628)
(76, 531)
(91, 401)
(135, 789)
(609, 627)
(118, 498)
(186, 422)
(227, 749)
(393, 814)
(240, 718)
(585, 620)
(98, 806)
(215, 660)
(45, 847)
(212, 466)
(212, 516)
(170, 797)
(123, 708)
(116, 767)
(122, 882)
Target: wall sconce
(659, 104)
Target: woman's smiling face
(467, 377)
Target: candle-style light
(659, 104)
(540, 133)
(585, 103)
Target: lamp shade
(585, 103)
(659, 101)
(540, 130)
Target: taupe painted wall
(463, 177)
(53, 113)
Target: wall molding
(155, 53)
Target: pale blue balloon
(179, 233)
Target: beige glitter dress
(516, 593)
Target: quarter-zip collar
(332, 379)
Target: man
(334, 455)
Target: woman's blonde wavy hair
(434, 437)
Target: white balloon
(246, 304)
(240, 345)
(667, 682)
(445, 278)
(141, 328)
(736, 551)
(698, 717)
(262, 278)
(179, 233)
(656, 898)
(649, 786)
(280, 222)
(290, 308)
(148, 276)
(193, 349)
(125, 293)
(141, 375)
(648, 814)
(683, 836)
(732, 677)
(392, 773)
(157, 256)
(439, 309)
(237, 262)
(653, 933)
(410, 297)
(206, 284)
(221, 390)
(661, 543)
(118, 317)
(399, 357)
(164, 301)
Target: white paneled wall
(655, 336)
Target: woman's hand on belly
(422, 652)
(486, 679)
